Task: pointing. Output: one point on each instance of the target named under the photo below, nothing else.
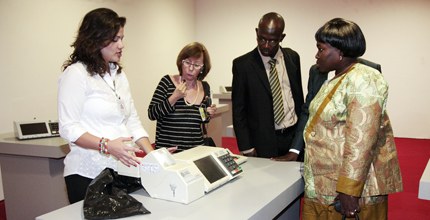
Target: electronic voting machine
(185, 176)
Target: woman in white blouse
(95, 108)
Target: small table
(32, 173)
(216, 125)
(225, 99)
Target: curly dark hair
(97, 30)
(344, 35)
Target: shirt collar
(278, 56)
(113, 69)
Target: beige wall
(36, 34)
(396, 31)
(35, 41)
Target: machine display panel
(34, 128)
(210, 169)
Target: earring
(340, 57)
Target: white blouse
(100, 106)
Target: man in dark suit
(316, 80)
(254, 124)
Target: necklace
(114, 87)
(195, 98)
(120, 103)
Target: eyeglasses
(196, 66)
(262, 40)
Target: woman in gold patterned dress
(350, 157)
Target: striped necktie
(278, 106)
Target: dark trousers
(76, 187)
(284, 138)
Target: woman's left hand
(121, 148)
(211, 110)
(349, 205)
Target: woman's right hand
(121, 148)
(172, 149)
(180, 92)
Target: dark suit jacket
(253, 121)
(316, 79)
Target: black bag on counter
(107, 197)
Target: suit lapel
(291, 69)
(258, 65)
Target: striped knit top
(178, 125)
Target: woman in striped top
(181, 103)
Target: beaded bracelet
(103, 147)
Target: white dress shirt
(100, 106)
(290, 118)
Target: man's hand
(253, 153)
(290, 156)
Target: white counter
(223, 97)
(263, 191)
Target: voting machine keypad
(230, 164)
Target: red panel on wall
(231, 144)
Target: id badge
(202, 113)
(121, 107)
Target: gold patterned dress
(350, 146)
